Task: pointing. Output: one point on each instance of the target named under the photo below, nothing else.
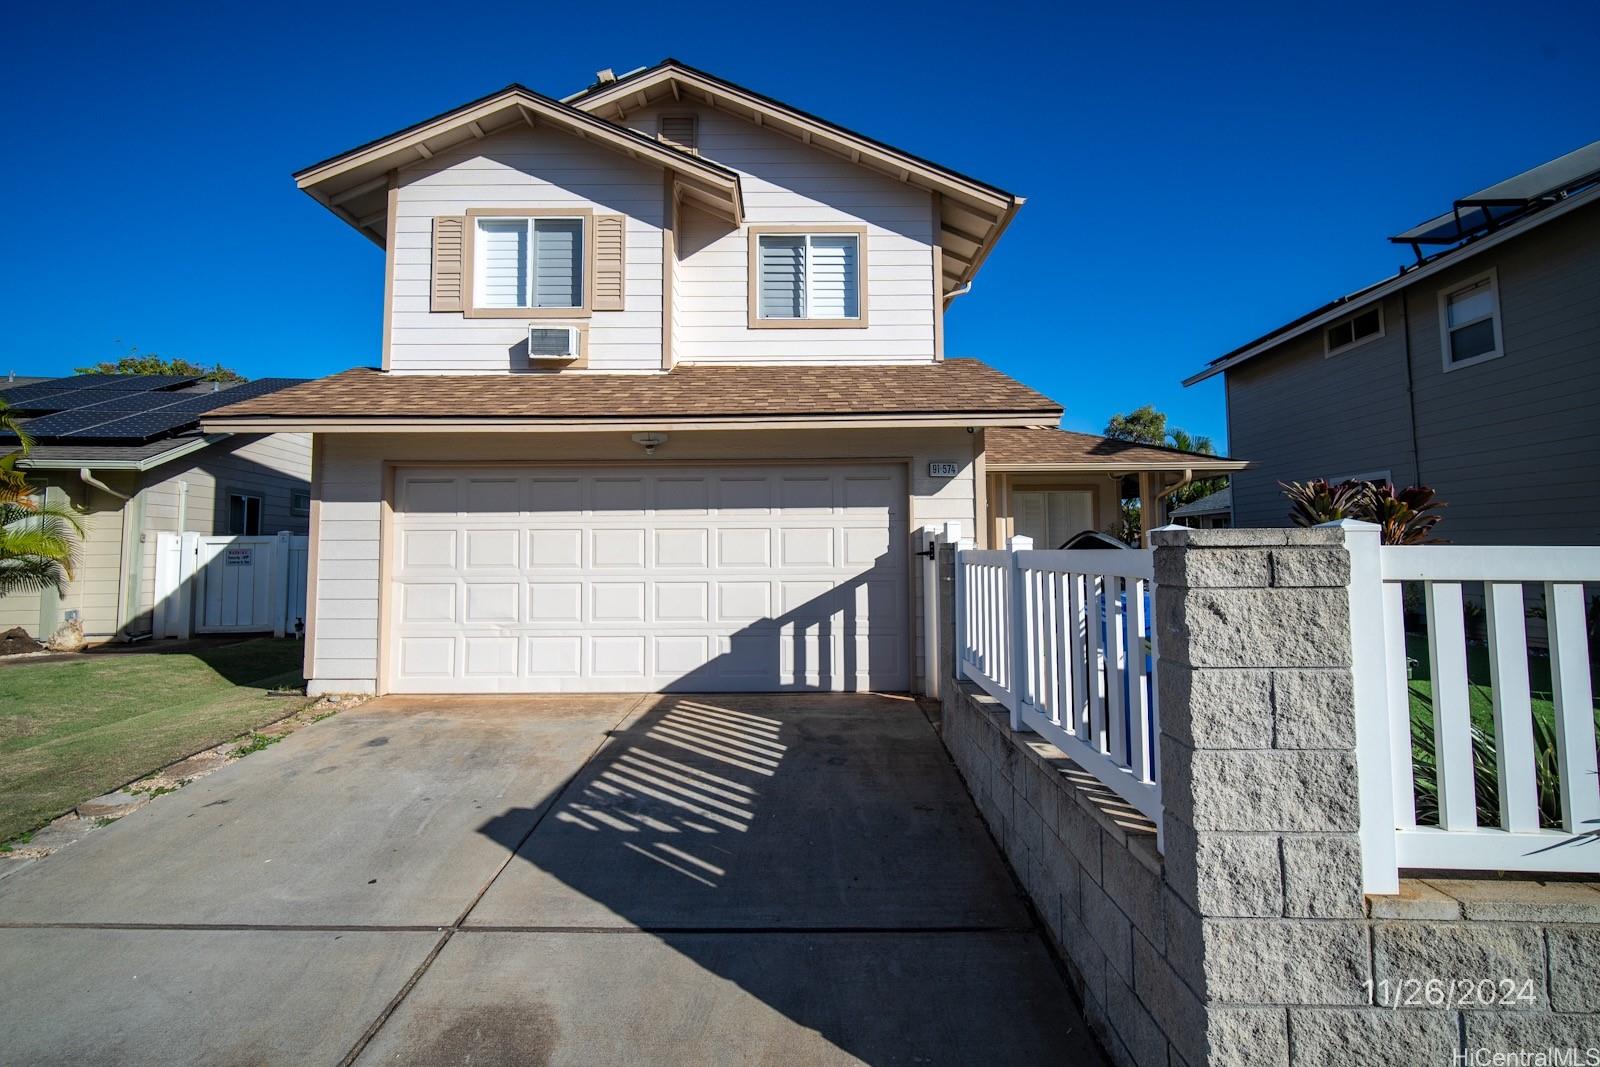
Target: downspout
(1188, 477)
(86, 476)
(1411, 394)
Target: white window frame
(1363, 476)
(471, 309)
(1328, 350)
(1493, 277)
(757, 321)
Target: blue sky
(1195, 176)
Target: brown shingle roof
(952, 387)
(1008, 447)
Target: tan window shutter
(449, 263)
(610, 253)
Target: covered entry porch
(1052, 485)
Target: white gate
(211, 585)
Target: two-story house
(663, 400)
(1475, 371)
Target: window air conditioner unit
(553, 343)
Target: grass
(1480, 704)
(72, 730)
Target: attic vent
(552, 342)
(681, 131)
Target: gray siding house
(1475, 371)
(128, 457)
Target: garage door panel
(683, 548)
(617, 548)
(492, 602)
(555, 549)
(429, 494)
(555, 601)
(421, 549)
(555, 497)
(493, 550)
(677, 577)
(747, 547)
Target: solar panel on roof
(137, 427)
(1445, 228)
(1544, 180)
(51, 387)
(65, 423)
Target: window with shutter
(807, 278)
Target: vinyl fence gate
(228, 585)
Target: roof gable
(354, 184)
(972, 213)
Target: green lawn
(72, 730)
(1480, 702)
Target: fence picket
(1452, 716)
(1574, 704)
(1513, 707)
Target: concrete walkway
(548, 880)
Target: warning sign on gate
(239, 556)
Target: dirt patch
(16, 642)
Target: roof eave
(147, 463)
(1201, 470)
(663, 423)
(354, 184)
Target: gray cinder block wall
(1248, 938)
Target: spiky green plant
(38, 545)
(1485, 770)
(38, 538)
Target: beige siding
(786, 182)
(347, 623)
(1512, 445)
(528, 168)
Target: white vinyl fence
(1063, 640)
(220, 585)
(1514, 757)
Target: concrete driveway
(547, 880)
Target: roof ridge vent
(605, 76)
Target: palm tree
(38, 538)
(1203, 487)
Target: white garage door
(708, 579)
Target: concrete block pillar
(1258, 780)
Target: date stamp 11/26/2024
(1452, 992)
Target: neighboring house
(1475, 371)
(663, 398)
(1211, 512)
(126, 452)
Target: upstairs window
(1469, 322)
(807, 279)
(1357, 329)
(528, 263)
